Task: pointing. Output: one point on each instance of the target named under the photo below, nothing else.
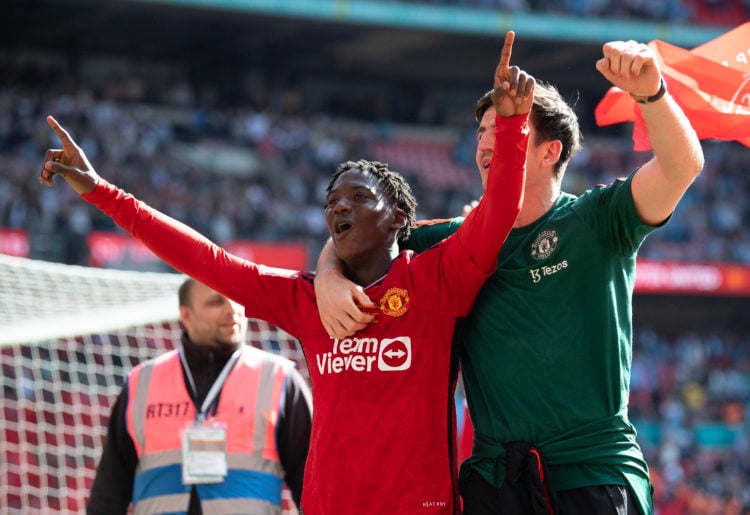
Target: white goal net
(68, 337)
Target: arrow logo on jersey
(395, 354)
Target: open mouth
(342, 227)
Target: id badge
(204, 455)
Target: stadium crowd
(266, 160)
(248, 169)
(690, 402)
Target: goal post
(69, 335)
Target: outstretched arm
(678, 158)
(174, 242)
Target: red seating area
(431, 161)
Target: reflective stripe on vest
(160, 407)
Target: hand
(630, 66)
(514, 88)
(70, 163)
(339, 302)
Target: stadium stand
(172, 152)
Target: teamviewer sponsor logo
(395, 354)
(366, 355)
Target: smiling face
(362, 220)
(535, 153)
(485, 144)
(554, 138)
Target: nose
(486, 142)
(342, 206)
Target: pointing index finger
(510, 36)
(501, 72)
(62, 133)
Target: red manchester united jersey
(383, 423)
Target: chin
(343, 253)
(228, 345)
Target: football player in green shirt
(547, 349)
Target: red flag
(711, 83)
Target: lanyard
(216, 387)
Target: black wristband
(654, 98)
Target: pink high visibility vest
(160, 408)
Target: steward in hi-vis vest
(248, 410)
(206, 430)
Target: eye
(330, 203)
(360, 196)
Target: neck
(366, 272)
(538, 200)
(201, 356)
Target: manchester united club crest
(544, 245)
(395, 302)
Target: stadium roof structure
(462, 19)
(399, 40)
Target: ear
(552, 152)
(186, 317)
(399, 218)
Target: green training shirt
(547, 349)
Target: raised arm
(488, 224)
(678, 158)
(174, 242)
